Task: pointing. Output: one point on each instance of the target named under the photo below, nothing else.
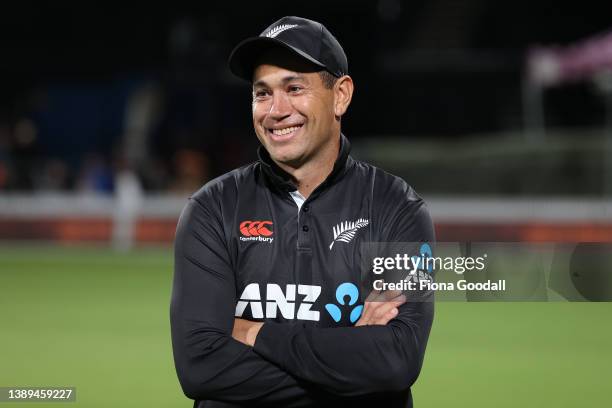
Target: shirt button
(305, 228)
(306, 208)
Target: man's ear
(343, 93)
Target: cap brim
(245, 55)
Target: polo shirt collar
(282, 180)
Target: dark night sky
(64, 41)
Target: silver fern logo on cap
(279, 29)
(346, 231)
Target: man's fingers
(388, 316)
(391, 315)
(367, 312)
(378, 316)
(381, 317)
(379, 313)
(381, 310)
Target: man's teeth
(280, 132)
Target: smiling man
(267, 308)
(297, 116)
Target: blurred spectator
(191, 171)
(128, 200)
(96, 175)
(53, 175)
(25, 151)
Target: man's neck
(311, 174)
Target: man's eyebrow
(284, 80)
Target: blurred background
(498, 113)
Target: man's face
(293, 113)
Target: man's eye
(295, 89)
(260, 94)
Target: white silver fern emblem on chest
(346, 231)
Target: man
(266, 308)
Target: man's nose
(281, 105)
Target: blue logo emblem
(345, 289)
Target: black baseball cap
(305, 38)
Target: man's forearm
(352, 361)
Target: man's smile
(282, 134)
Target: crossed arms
(221, 358)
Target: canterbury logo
(256, 231)
(346, 231)
(279, 29)
(255, 228)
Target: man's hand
(246, 331)
(381, 307)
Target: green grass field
(98, 320)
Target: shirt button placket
(304, 228)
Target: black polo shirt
(245, 249)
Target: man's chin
(291, 159)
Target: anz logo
(284, 302)
(279, 301)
